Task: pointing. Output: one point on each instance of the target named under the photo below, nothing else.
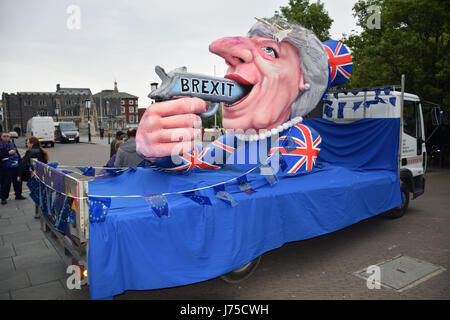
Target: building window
(43, 113)
(68, 102)
(122, 109)
(131, 102)
(42, 103)
(27, 102)
(131, 109)
(131, 119)
(137, 119)
(122, 102)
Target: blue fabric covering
(135, 249)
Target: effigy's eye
(271, 51)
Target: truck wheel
(400, 210)
(241, 273)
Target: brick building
(129, 108)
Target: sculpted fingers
(180, 106)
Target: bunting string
(262, 166)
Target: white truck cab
(386, 102)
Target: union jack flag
(340, 62)
(193, 160)
(299, 149)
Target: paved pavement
(319, 268)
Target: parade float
(298, 161)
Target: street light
(57, 112)
(88, 107)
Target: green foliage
(413, 40)
(209, 122)
(312, 16)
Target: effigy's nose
(234, 50)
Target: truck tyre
(241, 273)
(400, 210)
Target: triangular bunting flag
(244, 185)
(197, 198)
(98, 208)
(221, 194)
(159, 205)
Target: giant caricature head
(288, 68)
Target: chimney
(57, 87)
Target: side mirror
(437, 116)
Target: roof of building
(84, 91)
(126, 95)
(105, 94)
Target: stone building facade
(64, 104)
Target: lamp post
(57, 112)
(88, 107)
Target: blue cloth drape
(135, 249)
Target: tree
(413, 39)
(312, 16)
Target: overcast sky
(124, 40)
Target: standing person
(102, 132)
(34, 151)
(9, 168)
(126, 154)
(110, 163)
(119, 136)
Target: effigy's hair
(313, 60)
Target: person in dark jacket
(9, 168)
(126, 154)
(119, 136)
(34, 151)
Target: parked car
(13, 135)
(66, 131)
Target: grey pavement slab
(5, 296)
(35, 261)
(7, 251)
(24, 219)
(47, 272)
(6, 265)
(4, 222)
(24, 236)
(35, 247)
(13, 281)
(10, 211)
(47, 291)
(13, 228)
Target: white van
(42, 128)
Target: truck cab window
(409, 118)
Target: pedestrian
(102, 132)
(119, 136)
(9, 168)
(35, 151)
(126, 154)
(110, 163)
